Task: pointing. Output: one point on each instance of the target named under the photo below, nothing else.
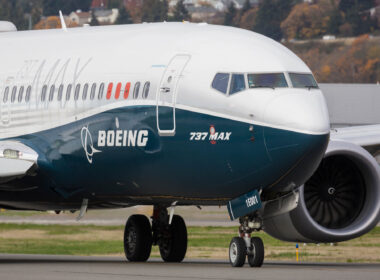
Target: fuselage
(128, 115)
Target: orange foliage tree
(306, 21)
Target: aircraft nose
(302, 111)
(298, 138)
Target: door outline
(164, 90)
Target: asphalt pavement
(41, 267)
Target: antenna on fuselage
(63, 23)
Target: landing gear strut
(245, 246)
(139, 236)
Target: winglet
(63, 24)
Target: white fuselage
(141, 53)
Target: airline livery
(172, 114)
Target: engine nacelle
(339, 202)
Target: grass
(204, 242)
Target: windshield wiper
(310, 87)
(263, 87)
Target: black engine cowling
(339, 202)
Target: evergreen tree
(52, 7)
(270, 15)
(154, 11)
(164, 10)
(124, 16)
(355, 15)
(180, 12)
(115, 4)
(94, 20)
(335, 20)
(246, 7)
(229, 16)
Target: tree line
(24, 12)
(296, 19)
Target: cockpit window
(220, 82)
(237, 83)
(303, 80)
(268, 80)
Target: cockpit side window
(303, 80)
(267, 80)
(237, 83)
(220, 82)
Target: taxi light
(13, 154)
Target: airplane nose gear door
(167, 95)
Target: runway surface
(43, 267)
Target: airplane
(173, 114)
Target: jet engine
(339, 202)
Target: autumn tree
(248, 19)
(52, 22)
(180, 12)
(305, 21)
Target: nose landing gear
(139, 236)
(245, 246)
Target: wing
(16, 159)
(367, 136)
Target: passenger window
(109, 91)
(5, 97)
(101, 91)
(146, 90)
(51, 94)
(136, 90)
(28, 93)
(60, 92)
(237, 83)
(117, 92)
(20, 94)
(77, 90)
(14, 91)
(43, 94)
(85, 89)
(93, 90)
(68, 92)
(126, 90)
(220, 82)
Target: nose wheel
(246, 247)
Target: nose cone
(298, 139)
(299, 110)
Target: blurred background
(338, 39)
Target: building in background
(80, 18)
(106, 17)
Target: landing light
(13, 154)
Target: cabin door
(167, 95)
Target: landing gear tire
(256, 254)
(137, 238)
(173, 247)
(237, 252)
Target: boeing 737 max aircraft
(172, 114)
